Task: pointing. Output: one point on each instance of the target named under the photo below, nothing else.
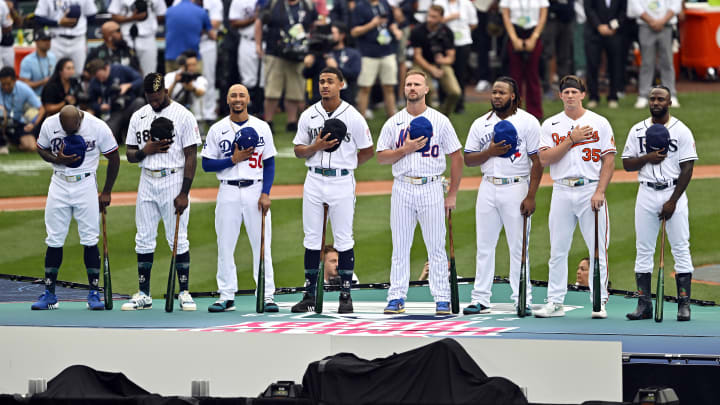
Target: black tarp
(439, 373)
(84, 382)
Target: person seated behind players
(187, 85)
(114, 49)
(15, 126)
(583, 272)
(330, 269)
(63, 88)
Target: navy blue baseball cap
(421, 126)
(657, 137)
(505, 131)
(247, 137)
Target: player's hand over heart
(322, 142)
(153, 147)
(414, 145)
(63, 159)
(655, 157)
(181, 202)
(241, 155)
(667, 210)
(527, 206)
(104, 201)
(597, 200)
(264, 203)
(580, 134)
(497, 149)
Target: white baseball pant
(155, 200)
(339, 193)
(67, 200)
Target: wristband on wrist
(140, 155)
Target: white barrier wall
(244, 364)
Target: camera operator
(114, 94)
(63, 88)
(286, 24)
(15, 127)
(187, 85)
(139, 21)
(331, 51)
(114, 48)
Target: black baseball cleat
(644, 308)
(306, 305)
(683, 281)
(345, 306)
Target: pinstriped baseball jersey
(242, 10)
(96, 133)
(56, 9)
(419, 164)
(145, 27)
(219, 145)
(681, 149)
(584, 158)
(528, 130)
(310, 125)
(186, 133)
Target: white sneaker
(642, 102)
(674, 102)
(139, 300)
(613, 104)
(602, 314)
(482, 85)
(4, 150)
(369, 114)
(550, 310)
(186, 301)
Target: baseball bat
(320, 285)
(660, 293)
(260, 293)
(170, 294)
(454, 299)
(107, 281)
(522, 290)
(596, 271)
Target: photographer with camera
(16, 123)
(114, 48)
(63, 88)
(286, 24)
(187, 85)
(139, 21)
(328, 49)
(114, 94)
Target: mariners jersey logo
(315, 132)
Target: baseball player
(417, 194)
(662, 149)
(168, 169)
(579, 147)
(330, 180)
(73, 192)
(138, 21)
(246, 176)
(511, 176)
(68, 20)
(242, 16)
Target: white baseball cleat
(602, 314)
(186, 301)
(642, 102)
(139, 300)
(550, 310)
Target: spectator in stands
(434, 53)
(114, 94)
(330, 267)
(487, 13)
(524, 22)
(557, 40)
(655, 20)
(20, 124)
(114, 49)
(460, 16)
(602, 33)
(185, 24)
(62, 89)
(242, 17)
(68, 22)
(187, 85)
(373, 24)
(286, 24)
(139, 21)
(347, 59)
(37, 67)
(582, 276)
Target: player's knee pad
(346, 260)
(312, 259)
(53, 257)
(91, 255)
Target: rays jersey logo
(315, 132)
(56, 143)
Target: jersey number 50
(591, 154)
(255, 160)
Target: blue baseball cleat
(46, 301)
(395, 306)
(442, 308)
(94, 303)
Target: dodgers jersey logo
(226, 146)
(56, 143)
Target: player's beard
(658, 113)
(503, 108)
(165, 103)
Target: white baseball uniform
(68, 42)
(144, 44)
(650, 200)
(249, 63)
(7, 53)
(73, 191)
(504, 187)
(330, 178)
(238, 204)
(423, 203)
(162, 176)
(576, 176)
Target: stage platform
(275, 346)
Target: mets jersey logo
(432, 151)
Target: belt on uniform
(505, 180)
(68, 36)
(248, 37)
(240, 183)
(329, 172)
(73, 179)
(575, 181)
(659, 186)
(419, 180)
(161, 172)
